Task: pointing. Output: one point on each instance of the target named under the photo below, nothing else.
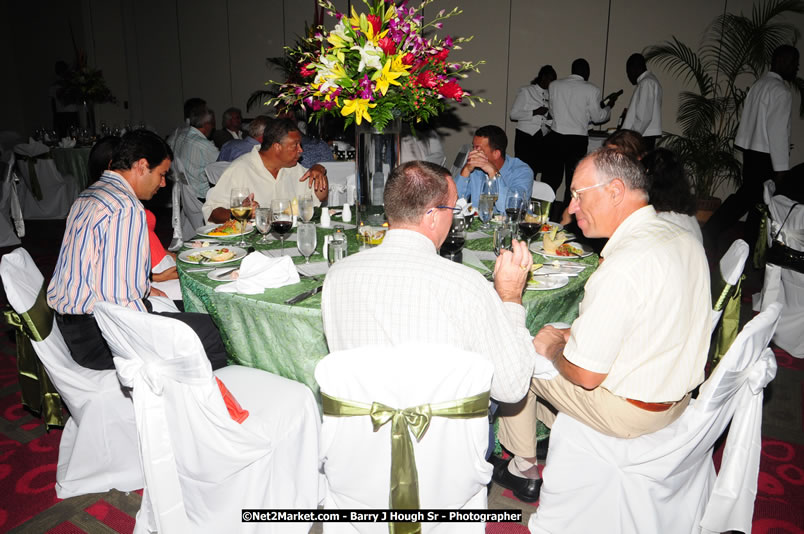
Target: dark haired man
(269, 171)
(488, 160)
(105, 255)
(644, 112)
(531, 113)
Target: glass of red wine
(456, 237)
(514, 203)
(281, 219)
(529, 224)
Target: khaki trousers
(599, 408)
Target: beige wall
(155, 54)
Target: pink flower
(451, 89)
(305, 72)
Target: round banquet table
(262, 331)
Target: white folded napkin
(259, 272)
(67, 142)
(32, 148)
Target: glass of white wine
(241, 208)
(489, 192)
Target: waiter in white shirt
(644, 112)
(574, 104)
(531, 112)
(764, 137)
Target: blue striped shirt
(104, 254)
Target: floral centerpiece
(378, 66)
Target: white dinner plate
(546, 283)
(569, 268)
(224, 274)
(204, 231)
(539, 249)
(195, 255)
(201, 243)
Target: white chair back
(214, 170)
(58, 192)
(665, 481)
(201, 467)
(190, 215)
(9, 202)
(450, 457)
(731, 269)
(460, 160)
(98, 449)
(542, 191)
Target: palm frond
(682, 61)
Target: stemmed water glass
(241, 208)
(306, 208)
(262, 218)
(281, 219)
(306, 240)
(456, 237)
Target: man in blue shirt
(488, 159)
(235, 148)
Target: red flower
(408, 59)
(442, 55)
(305, 72)
(427, 79)
(376, 23)
(451, 90)
(388, 46)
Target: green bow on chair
(404, 477)
(727, 298)
(37, 391)
(36, 189)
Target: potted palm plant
(735, 50)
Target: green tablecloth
(261, 331)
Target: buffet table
(262, 331)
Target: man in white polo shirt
(638, 347)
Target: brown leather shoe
(524, 489)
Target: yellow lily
(358, 106)
(392, 70)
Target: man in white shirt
(644, 112)
(574, 105)
(639, 345)
(531, 112)
(764, 137)
(269, 171)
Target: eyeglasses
(455, 210)
(576, 193)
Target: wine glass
(530, 224)
(489, 192)
(306, 208)
(281, 219)
(456, 237)
(306, 240)
(513, 205)
(241, 208)
(262, 218)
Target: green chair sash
(404, 478)
(728, 300)
(36, 189)
(37, 391)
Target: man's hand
(249, 201)
(157, 293)
(168, 274)
(511, 272)
(478, 160)
(550, 342)
(316, 178)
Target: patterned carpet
(29, 454)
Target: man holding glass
(638, 347)
(402, 290)
(489, 160)
(269, 171)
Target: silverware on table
(307, 294)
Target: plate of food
(549, 226)
(554, 245)
(201, 243)
(212, 255)
(230, 228)
(546, 283)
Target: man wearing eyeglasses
(638, 347)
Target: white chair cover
(450, 458)
(9, 202)
(58, 192)
(98, 449)
(341, 178)
(731, 269)
(215, 170)
(191, 215)
(665, 481)
(201, 467)
(542, 191)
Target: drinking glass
(306, 208)
(336, 247)
(544, 211)
(513, 205)
(456, 237)
(489, 192)
(241, 210)
(530, 224)
(306, 240)
(281, 219)
(262, 218)
(501, 239)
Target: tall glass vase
(376, 154)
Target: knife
(307, 294)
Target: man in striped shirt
(105, 254)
